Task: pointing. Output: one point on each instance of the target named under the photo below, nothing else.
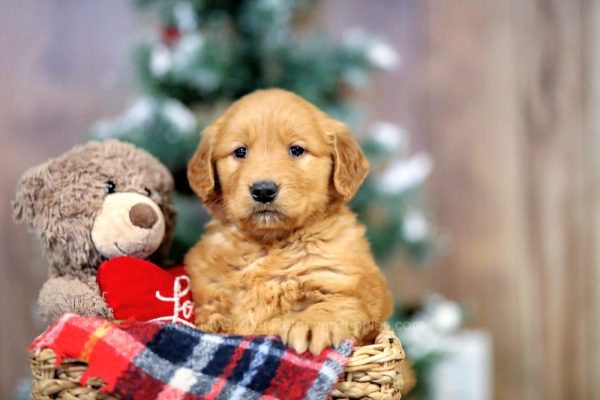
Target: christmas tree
(208, 53)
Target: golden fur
(299, 267)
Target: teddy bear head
(95, 202)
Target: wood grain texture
(503, 94)
(551, 111)
(591, 231)
(63, 64)
(475, 140)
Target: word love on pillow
(139, 290)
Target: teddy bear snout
(142, 216)
(128, 224)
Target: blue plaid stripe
(329, 373)
(165, 353)
(204, 352)
(234, 391)
(264, 366)
(207, 355)
(172, 344)
(155, 366)
(222, 357)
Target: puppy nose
(142, 216)
(264, 191)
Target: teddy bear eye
(111, 187)
(148, 192)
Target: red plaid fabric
(157, 360)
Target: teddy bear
(98, 201)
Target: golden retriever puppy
(283, 254)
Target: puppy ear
(200, 172)
(350, 166)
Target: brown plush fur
(299, 267)
(59, 201)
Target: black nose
(264, 191)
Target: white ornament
(140, 112)
(187, 49)
(160, 60)
(414, 226)
(179, 115)
(405, 174)
(383, 56)
(429, 331)
(446, 316)
(389, 136)
(185, 16)
(419, 339)
(378, 52)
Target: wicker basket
(373, 373)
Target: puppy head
(273, 161)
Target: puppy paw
(309, 332)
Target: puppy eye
(296, 151)
(148, 192)
(111, 187)
(241, 152)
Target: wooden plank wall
(63, 64)
(503, 94)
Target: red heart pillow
(139, 290)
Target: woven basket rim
(373, 371)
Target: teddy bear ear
(28, 196)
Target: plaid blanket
(157, 360)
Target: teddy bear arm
(62, 295)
